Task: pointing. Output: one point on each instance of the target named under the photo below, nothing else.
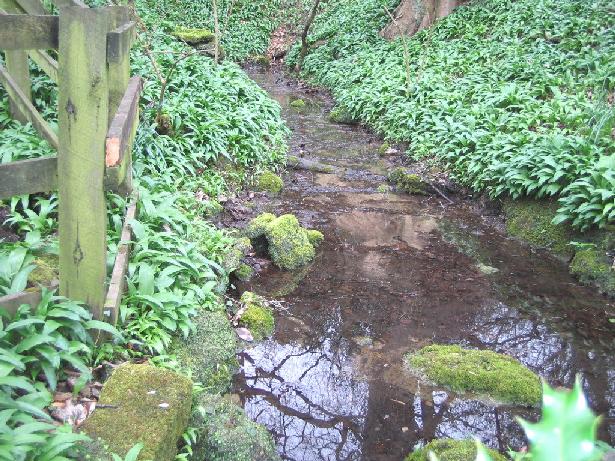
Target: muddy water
(397, 272)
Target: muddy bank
(397, 272)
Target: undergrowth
(516, 98)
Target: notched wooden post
(82, 118)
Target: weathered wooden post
(83, 109)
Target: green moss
(257, 317)
(482, 372)
(210, 352)
(408, 182)
(530, 220)
(244, 272)
(135, 394)
(232, 258)
(451, 450)
(269, 182)
(194, 36)
(382, 150)
(289, 245)
(592, 266)
(315, 237)
(225, 433)
(47, 270)
(297, 103)
(262, 60)
(340, 115)
(383, 189)
(258, 226)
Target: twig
(440, 193)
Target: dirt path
(397, 272)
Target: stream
(395, 273)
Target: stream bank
(395, 273)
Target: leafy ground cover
(515, 98)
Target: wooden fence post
(83, 104)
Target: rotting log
(17, 96)
(82, 117)
(28, 176)
(118, 276)
(27, 32)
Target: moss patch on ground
(530, 220)
(225, 433)
(269, 182)
(482, 372)
(315, 237)
(210, 352)
(244, 272)
(593, 266)
(383, 149)
(257, 317)
(297, 103)
(451, 450)
(194, 36)
(46, 271)
(340, 115)
(147, 404)
(289, 244)
(408, 182)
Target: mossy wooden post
(83, 108)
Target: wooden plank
(63, 3)
(28, 176)
(119, 42)
(32, 7)
(19, 69)
(123, 124)
(83, 103)
(46, 63)
(17, 96)
(27, 32)
(10, 303)
(117, 284)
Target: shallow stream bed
(395, 273)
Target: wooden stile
(26, 32)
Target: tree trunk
(306, 30)
(412, 16)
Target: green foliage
(512, 96)
(478, 371)
(15, 267)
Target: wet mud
(395, 273)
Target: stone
(451, 450)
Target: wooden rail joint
(123, 124)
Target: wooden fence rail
(98, 106)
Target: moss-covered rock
(383, 149)
(244, 272)
(530, 220)
(269, 182)
(262, 59)
(194, 36)
(225, 433)
(46, 271)
(593, 266)
(451, 450)
(210, 352)
(341, 115)
(482, 372)
(146, 404)
(257, 317)
(288, 243)
(408, 182)
(297, 103)
(315, 237)
(232, 258)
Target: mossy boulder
(383, 149)
(225, 433)
(451, 450)
(341, 115)
(481, 372)
(194, 36)
(531, 221)
(236, 252)
(244, 272)
(408, 182)
(257, 317)
(315, 237)
(46, 271)
(210, 352)
(145, 404)
(289, 244)
(297, 103)
(269, 182)
(593, 266)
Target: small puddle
(397, 272)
